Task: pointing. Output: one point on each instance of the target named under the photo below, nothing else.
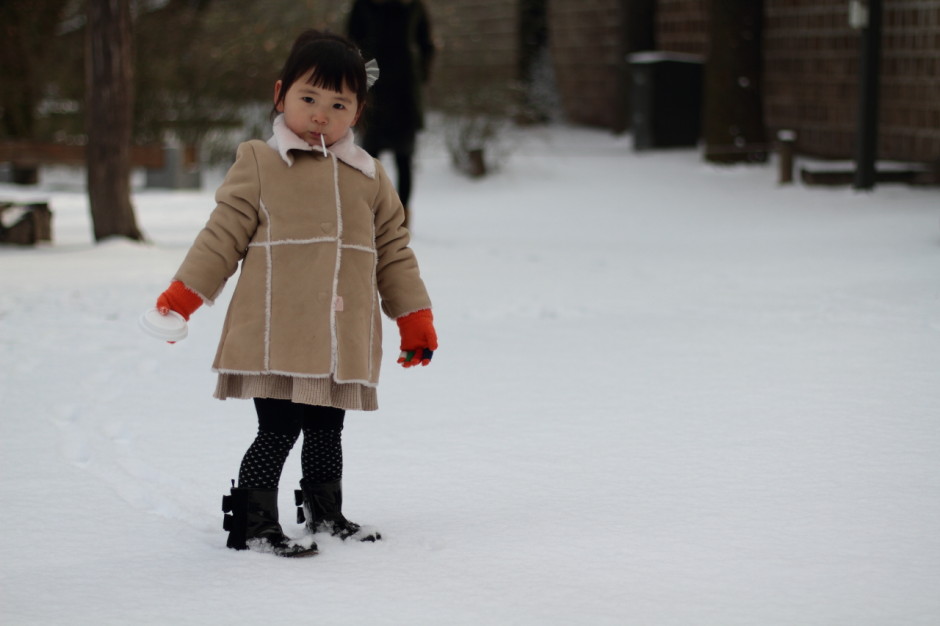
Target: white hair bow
(372, 73)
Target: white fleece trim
(334, 339)
(424, 308)
(284, 242)
(268, 280)
(353, 246)
(351, 381)
(352, 155)
(345, 149)
(364, 383)
(219, 370)
(375, 310)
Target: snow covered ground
(667, 394)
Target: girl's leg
(322, 463)
(321, 458)
(279, 424)
(252, 511)
(404, 163)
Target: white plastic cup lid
(169, 327)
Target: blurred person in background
(397, 34)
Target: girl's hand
(180, 299)
(410, 358)
(418, 338)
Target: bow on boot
(252, 523)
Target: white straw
(323, 143)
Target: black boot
(252, 522)
(321, 505)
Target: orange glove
(179, 298)
(418, 339)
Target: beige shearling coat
(322, 249)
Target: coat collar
(284, 140)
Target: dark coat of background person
(397, 33)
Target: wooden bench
(25, 224)
(167, 166)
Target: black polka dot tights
(280, 423)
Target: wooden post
(786, 140)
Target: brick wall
(588, 49)
(810, 63)
(478, 46)
(589, 43)
(811, 68)
(811, 77)
(910, 80)
(682, 26)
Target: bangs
(334, 60)
(333, 72)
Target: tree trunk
(109, 103)
(734, 120)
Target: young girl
(318, 229)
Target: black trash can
(666, 99)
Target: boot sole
(300, 555)
(257, 546)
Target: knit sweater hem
(316, 391)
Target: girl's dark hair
(334, 59)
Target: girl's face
(312, 112)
